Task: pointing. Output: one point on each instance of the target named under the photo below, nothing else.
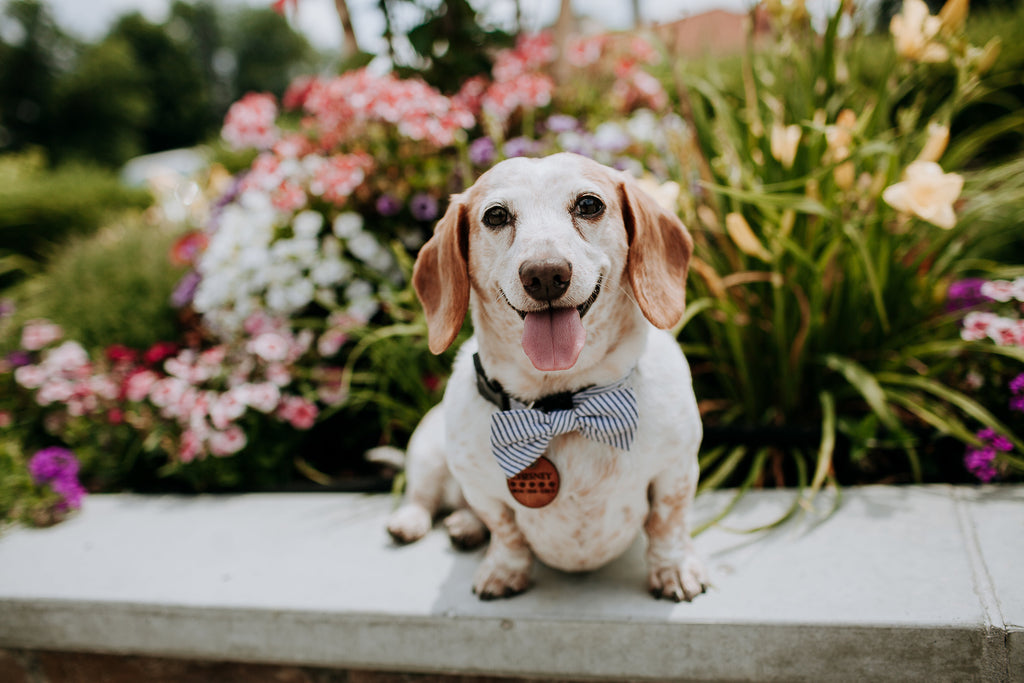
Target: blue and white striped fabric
(605, 414)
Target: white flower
(347, 224)
(330, 272)
(307, 224)
(926, 192)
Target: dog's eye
(589, 205)
(496, 216)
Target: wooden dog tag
(536, 486)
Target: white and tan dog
(572, 275)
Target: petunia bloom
(927, 192)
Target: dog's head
(546, 239)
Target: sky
(89, 19)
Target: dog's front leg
(676, 572)
(505, 570)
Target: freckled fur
(607, 496)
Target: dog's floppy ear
(441, 276)
(659, 255)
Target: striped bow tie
(605, 414)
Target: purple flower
(388, 205)
(52, 463)
(1017, 384)
(519, 147)
(964, 294)
(561, 123)
(481, 151)
(19, 358)
(423, 207)
(978, 462)
(58, 468)
(185, 289)
(1017, 404)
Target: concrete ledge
(902, 583)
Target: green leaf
(867, 386)
(961, 401)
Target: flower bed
(832, 210)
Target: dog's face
(546, 241)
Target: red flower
(159, 351)
(119, 353)
(281, 6)
(188, 247)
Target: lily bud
(935, 145)
(953, 15)
(739, 230)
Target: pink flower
(336, 177)
(260, 322)
(279, 374)
(39, 333)
(69, 357)
(167, 392)
(190, 447)
(270, 346)
(976, 325)
(227, 407)
(289, 196)
(55, 391)
(30, 376)
(250, 122)
(227, 442)
(1000, 290)
(585, 51)
(138, 385)
(331, 341)
(298, 412)
(263, 396)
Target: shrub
(113, 286)
(41, 207)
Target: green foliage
(39, 208)
(111, 287)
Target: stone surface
(900, 583)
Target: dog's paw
(409, 523)
(465, 529)
(680, 581)
(496, 580)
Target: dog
(572, 276)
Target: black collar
(492, 391)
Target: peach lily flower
(926, 192)
(914, 29)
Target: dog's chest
(599, 509)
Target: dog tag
(536, 486)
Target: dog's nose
(545, 279)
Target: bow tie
(604, 414)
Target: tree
(453, 45)
(29, 69)
(173, 84)
(267, 52)
(101, 108)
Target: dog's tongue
(553, 339)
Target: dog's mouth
(553, 337)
